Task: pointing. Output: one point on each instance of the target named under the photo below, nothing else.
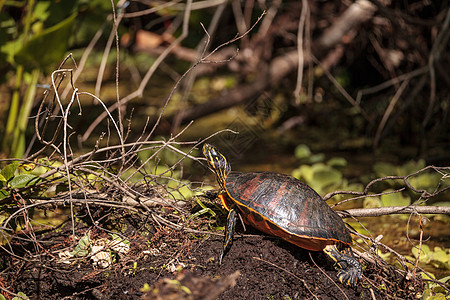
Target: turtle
(283, 206)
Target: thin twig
(324, 273)
(388, 112)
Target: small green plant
(177, 284)
(204, 210)
(133, 268)
(32, 44)
(20, 296)
(438, 257)
(83, 248)
(421, 181)
(10, 180)
(433, 290)
(145, 288)
(323, 176)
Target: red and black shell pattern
(283, 206)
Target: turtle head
(218, 162)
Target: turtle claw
(349, 269)
(347, 278)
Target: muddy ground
(164, 263)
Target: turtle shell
(283, 206)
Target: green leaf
(23, 180)
(317, 158)
(325, 176)
(146, 288)
(117, 238)
(424, 253)
(337, 162)
(8, 171)
(439, 254)
(21, 294)
(40, 11)
(4, 194)
(383, 169)
(182, 193)
(304, 172)
(302, 151)
(10, 40)
(411, 166)
(83, 247)
(425, 181)
(427, 276)
(395, 199)
(47, 47)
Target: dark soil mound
(171, 264)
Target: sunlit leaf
(4, 194)
(316, 158)
(427, 276)
(304, 172)
(146, 288)
(337, 162)
(40, 11)
(8, 171)
(83, 247)
(424, 253)
(383, 169)
(23, 180)
(325, 175)
(22, 296)
(10, 47)
(302, 151)
(411, 167)
(426, 181)
(440, 255)
(182, 193)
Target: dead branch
(423, 193)
(393, 210)
(190, 55)
(359, 12)
(139, 92)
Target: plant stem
(18, 148)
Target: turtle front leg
(349, 268)
(229, 233)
